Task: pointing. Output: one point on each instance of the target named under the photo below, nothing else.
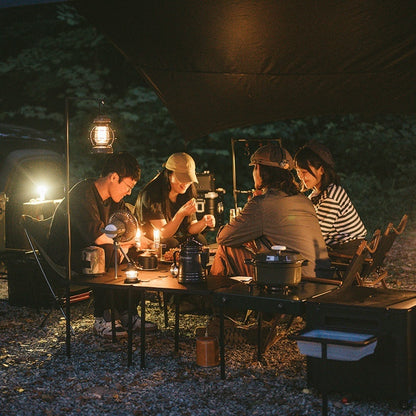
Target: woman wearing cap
(167, 203)
(340, 223)
(281, 215)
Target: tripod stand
(117, 247)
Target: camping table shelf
(155, 280)
(243, 296)
(334, 345)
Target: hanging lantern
(102, 135)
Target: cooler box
(390, 315)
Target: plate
(242, 279)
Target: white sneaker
(103, 329)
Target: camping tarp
(227, 63)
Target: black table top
(253, 297)
(365, 296)
(160, 279)
(300, 292)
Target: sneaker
(137, 323)
(103, 329)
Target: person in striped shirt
(340, 223)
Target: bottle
(232, 214)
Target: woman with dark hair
(167, 203)
(340, 223)
(278, 215)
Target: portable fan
(122, 227)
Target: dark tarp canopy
(224, 63)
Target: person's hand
(209, 220)
(188, 208)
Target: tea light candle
(156, 238)
(158, 247)
(131, 274)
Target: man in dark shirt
(92, 201)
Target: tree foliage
(50, 52)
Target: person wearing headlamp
(278, 215)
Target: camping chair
(373, 272)
(54, 275)
(340, 262)
(352, 273)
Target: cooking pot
(188, 261)
(147, 260)
(278, 267)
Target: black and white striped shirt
(337, 216)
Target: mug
(93, 259)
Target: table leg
(176, 326)
(222, 341)
(142, 329)
(323, 380)
(165, 309)
(259, 346)
(113, 318)
(68, 320)
(129, 330)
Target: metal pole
(234, 174)
(68, 214)
(68, 283)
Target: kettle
(189, 264)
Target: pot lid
(279, 254)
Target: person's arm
(89, 222)
(103, 239)
(247, 226)
(86, 220)
(198, 226)
(168, 229)
(328, 213)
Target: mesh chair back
(37, 234)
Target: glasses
(130, 188)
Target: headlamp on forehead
(272, 155)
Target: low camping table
(159, 280)
(242, 296)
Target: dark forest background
(49, 52)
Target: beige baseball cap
(272, 155)
(183, 166)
